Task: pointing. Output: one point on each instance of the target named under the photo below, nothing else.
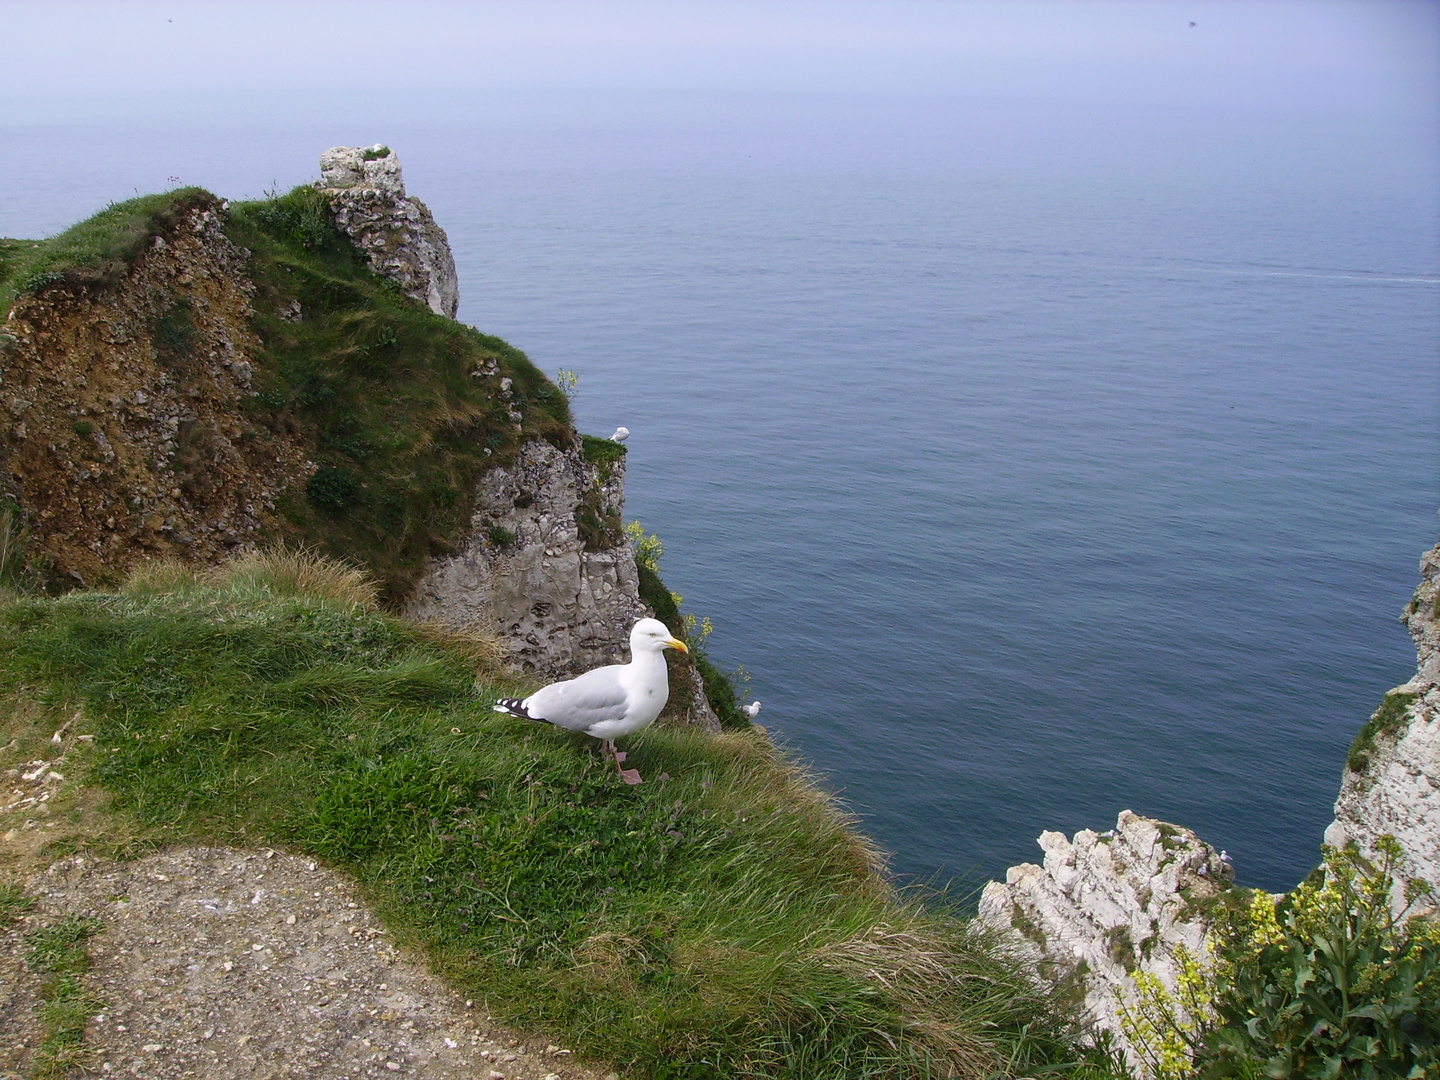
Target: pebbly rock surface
(394, 230)
(125, 434)
(1392, 786)
(229, 964)
(1104, 905)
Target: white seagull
(752, 710)
(608, 702)
(621, 434)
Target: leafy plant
(648, 547)
(568, 383)
(1329, 981)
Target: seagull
(752, 710)
(608, 702)
(621, 434)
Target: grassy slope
(386, 391)
(720, 920)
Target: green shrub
(1325, 982)
(333, 490)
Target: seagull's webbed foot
(630, 776)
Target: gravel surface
(217, 963)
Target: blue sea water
(1035, 463)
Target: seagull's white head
(652, 635)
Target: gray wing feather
(580, 702)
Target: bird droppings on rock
(198, 980)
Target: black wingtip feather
(516, 707)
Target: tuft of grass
(60, 953)
(13, 903)
(602, 453)
(15, 571)
(287, 572)
(159, 577)
(1384, 724)
(99, 249)
(722, 919)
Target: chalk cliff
(1106, 905)
(559, 590)
(1391, 783)
(395, 231)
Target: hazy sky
(75, 56)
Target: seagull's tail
(515, 707)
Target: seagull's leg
(630, 776)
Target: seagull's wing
(582, 702)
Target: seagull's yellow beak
(676, 643)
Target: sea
(1032, 463)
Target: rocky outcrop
(125, 435)
(1391, 784)
(546, 567)
(1105, 905)
(548, 571)
(394, 230)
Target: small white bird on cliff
(608, 702)
(621, 434)
(752, 710)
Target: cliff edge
(186, 378)
(1391, 783)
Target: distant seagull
(1192, 26)
(621, 434)
(752, 710)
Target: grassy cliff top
(98, 249)
(400, 409)
(721, 920)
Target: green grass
(720, 920)
(13, 903)
(1386, 722)
(384, 390)
(98, 250)
(60, 954)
